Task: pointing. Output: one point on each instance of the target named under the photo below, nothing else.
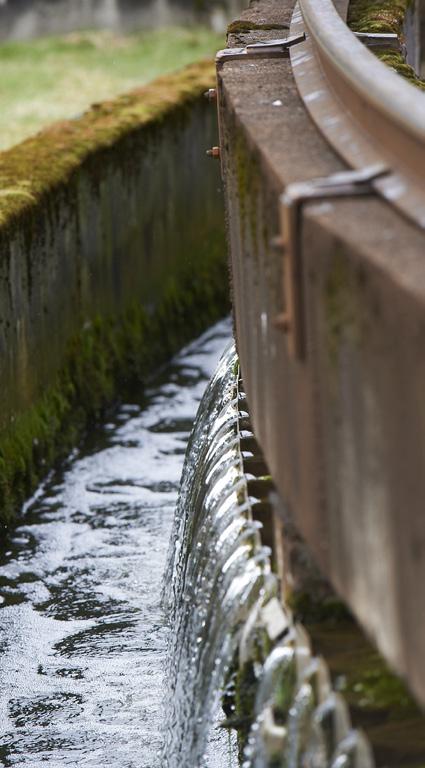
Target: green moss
(379, 701)
(106, 360)
(246, 686)
(385, 16)
(47, 161)
(362, 674)
(117, 349)
(396, 61)
(377, 15)
(248, 186)
(242, 687)
(56, 78)
(285, 690)
(240, 25)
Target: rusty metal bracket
(345, 184)
(266, 49)
(380, 40)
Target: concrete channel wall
(343, 429)
(24, 19)
(112, 255)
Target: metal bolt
(211, 94)
(283, 322)
(214, 152)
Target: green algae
(241, 690)
(246, 685)
(248, 186)
(379, 701)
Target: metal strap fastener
(380, 40)
(267, 49)
(344, 184)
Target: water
(83, 638)
(217, 570)
(113, 653)
(298, 719)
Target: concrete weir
(101, 278)
(341, 426)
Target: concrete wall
(23, 19)
(342, 430)
(107, 264)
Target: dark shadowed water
(82, 634)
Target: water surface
(82, 635)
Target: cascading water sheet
(82, 634)
(217, 569)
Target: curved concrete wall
(112, 255)
(343, 427)
(23, 19)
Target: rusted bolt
(211, 94)
(214, 152)
(277, 243)
(282, 322)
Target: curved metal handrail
(366, 110)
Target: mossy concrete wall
(112, 254)
(343, 428)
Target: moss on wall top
(377, 15)
(32, 169)
(56, 78)
(384, 16)
(105, 351)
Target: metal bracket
(383, 40)
(344, 184)
(267, 49)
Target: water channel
(83, 637)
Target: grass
(60, 77)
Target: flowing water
(217, 569)
(113, 654)
(83, 638)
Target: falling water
(218, 568)
(222, 597)
(87, 658)
(83, 639)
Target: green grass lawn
(55, 78)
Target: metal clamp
(380, 40)
(267, 49)
(344, 184)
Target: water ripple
(82, 634)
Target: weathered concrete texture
(108, 262)
(343, 431)
(23, 19)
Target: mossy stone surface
(112, 255)
(379, 701)
(385, 16)
(378, 15)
